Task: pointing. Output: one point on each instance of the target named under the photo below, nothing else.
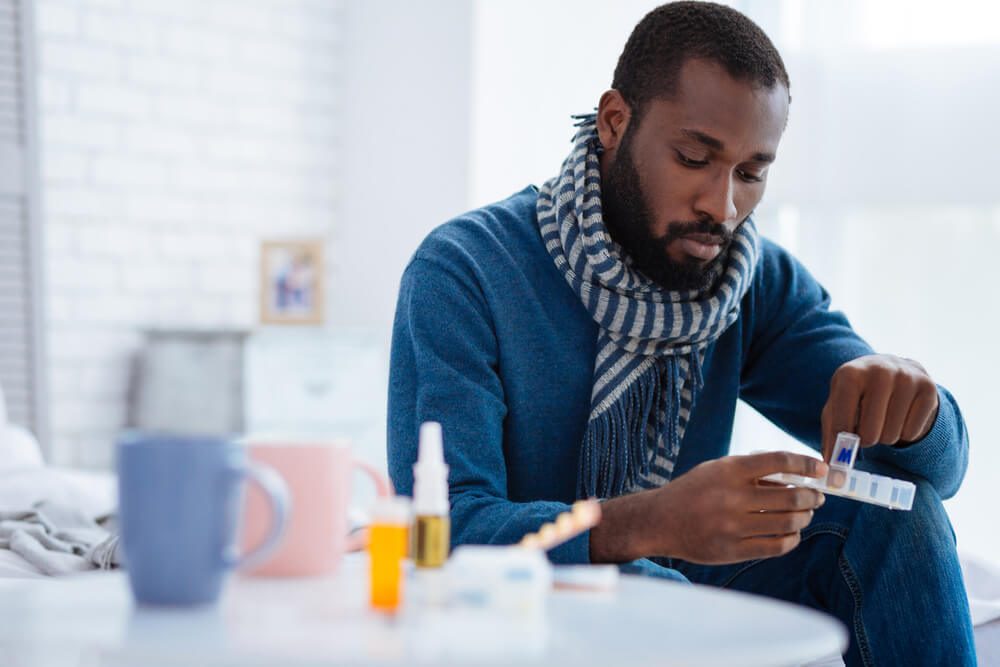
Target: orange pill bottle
(388, 538)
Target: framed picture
(291, 282)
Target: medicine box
(896, 494)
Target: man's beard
(629, 220)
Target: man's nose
(716, 201)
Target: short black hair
(676, 32)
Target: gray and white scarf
(651, 341)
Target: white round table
(90, 620)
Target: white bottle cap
(431, 443)
(430, 474)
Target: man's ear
(613, 116)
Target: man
(592, 337)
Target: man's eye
(748, 177)
(689, 162)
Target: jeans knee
(925, 529)
(929, 516)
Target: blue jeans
(891, 577)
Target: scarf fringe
(621, 444)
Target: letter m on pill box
(845, 450)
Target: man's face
(677, 183)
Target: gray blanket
(58, 539)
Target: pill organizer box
(896, 494)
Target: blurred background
(149, 147)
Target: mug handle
(276, 490)
(358, 540)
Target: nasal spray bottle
(432, 527)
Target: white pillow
(93, 493)
(18, 449)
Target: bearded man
(591, 337)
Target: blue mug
(180, 501)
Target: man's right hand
(718, 512)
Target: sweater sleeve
(796, 345)
(444, 367)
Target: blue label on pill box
(845, 450)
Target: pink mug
(318, 475)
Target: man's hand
(884, 399)
(718, 512)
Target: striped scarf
(651, 341)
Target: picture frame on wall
(291, 281)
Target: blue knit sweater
(491, 341)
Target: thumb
(840, 413)
(826, 432)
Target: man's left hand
(884, 399)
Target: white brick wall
(175, 134)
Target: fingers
(884, 399)
(903, 394)
(827, 433)
(755, 466)
(921, 415)
(784, 499)
(763, 524)
(841, 410)
(874, 403)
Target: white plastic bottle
(432, 526)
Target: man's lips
(703, 246)
(705, 239)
